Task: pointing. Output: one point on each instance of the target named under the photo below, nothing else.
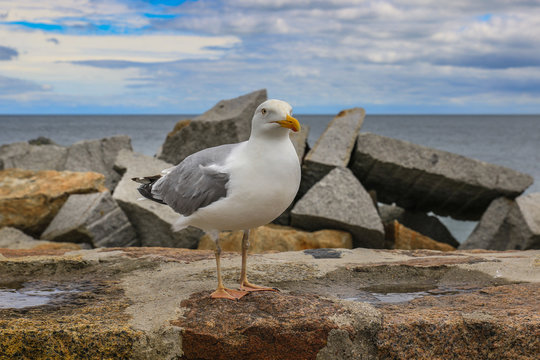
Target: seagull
(235, 186)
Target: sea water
(508, 140)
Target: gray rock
(99, 156)
(508, 225)
(424, 179)
(333, 149)
(23, 155)
(152, 221)
(88, 155)
(11, 238)
(423, 223)
(339, 201)
(229, 121)
(529, 212)
(95, 219)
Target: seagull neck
(270, 137)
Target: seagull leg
(222, 292)
(245, 285)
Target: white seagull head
(274, 117)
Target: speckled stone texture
(269, 326)
(425, 179)
(88, 324)
(494, 323)
(29, 199)
(333, 148)
(88, 155)
(91, 218)
(508, 225)
(153, 303)
(340, 202)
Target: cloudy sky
(171, 56)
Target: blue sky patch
(161, 16)
(485, 17)
(167, 2)
(37, 26)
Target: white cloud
(70, 12)
(320, 51)
(51, 63)
(36, 47)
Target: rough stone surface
(29, 200)
(340, 202)
(427, 225)
(95, 219)
(11, 238)
(23, 155)
(99, 156)
(398, 236)
(153, 303)
(279, 238)
(500, 322)
(424, 179)
(152, 221)
(229, 121)
(305, 322)
(88, 155)
(333, 148)
(86, 321)
(529, 211)
(507, 225)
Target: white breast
(264, 179)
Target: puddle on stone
(24, 295)
(399, 293)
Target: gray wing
(191, 185)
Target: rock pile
(347, 178)
(87, 155)
(508, 225)
(333, 149)
(92, 218)
(339, 201)
(29, 200)
(418, 221)
(424, 179)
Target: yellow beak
(290, 123)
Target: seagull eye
(263, 111)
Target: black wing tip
(146, 191)
(147, 180)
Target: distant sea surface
(508, 140)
